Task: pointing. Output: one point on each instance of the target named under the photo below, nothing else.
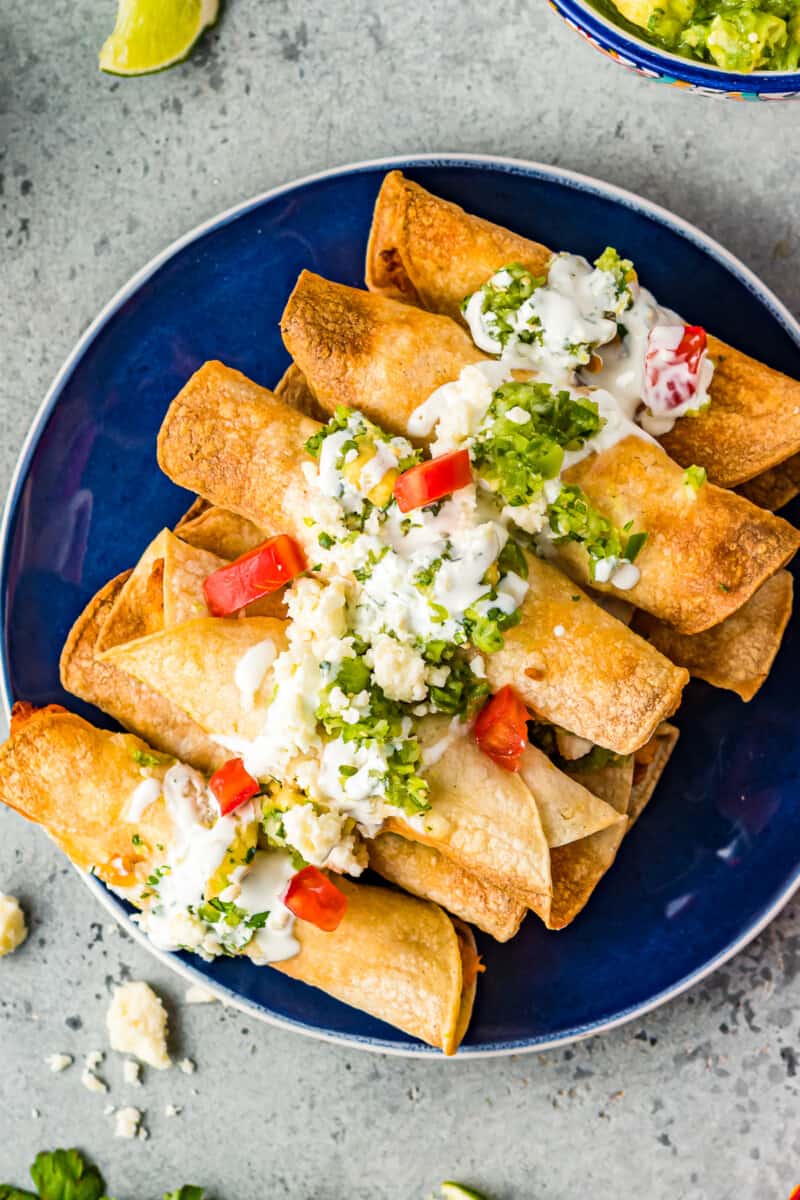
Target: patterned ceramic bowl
(651, 62)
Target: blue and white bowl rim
(663, 62)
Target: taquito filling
(521, 437)
(218, 887)
(595, 324)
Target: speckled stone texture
(698, 1102)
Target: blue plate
(716, 854)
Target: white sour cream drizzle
(147, 792)
(201, 838)
(578, 319)
(251, 670)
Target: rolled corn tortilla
(164, 588)
(398, 958)
(482, 817)
(99, 682)
(429, 874)
(611, 782)
(649, 765)
(776, 487)
(707, 549)
(240, 447)
(292, 388)
(569, 810)
(431, 252)
(577, 867)
(222, 532)
(738, 653)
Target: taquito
(738, 653)
(707, 549)
(398, 958)
(430, 252)
(426, 872)
(241, 448)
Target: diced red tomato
(312, 897)
(501, 729)
(261, 571)
(672, 367)
(232, 785)
(431, 480)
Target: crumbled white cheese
(137, 1024)
(315, 834)
(131, 1072)
(126, 1122)
(13, 929)
(173, 1110)
(35, 1114)
(187, 1066)
(92, 1082)
(399, 669)
(93, 1059)
(195, 994)
(59, 1062)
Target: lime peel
(457, 1191)
(151, 35)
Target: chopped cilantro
(574, 518)
(353, 676)
(512, 558)
(621, 269)
(694, 477)
(634, 545)
(136, 839)
(463, 691)
(516, 459)
(146, 758)
(502, 299)
(338, 421)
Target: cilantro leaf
(65, 1175)
(187, 1192)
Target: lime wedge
(153, 34)
(457, 1191)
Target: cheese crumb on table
(59, 1062)
(187, 1066)
(92, 1082)
(199, 995)
(93, 1059)
(173, 1110)
(137, 1024)
(13, 929)
(131, 1072)
(126, 1122)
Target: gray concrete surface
(698, 1102)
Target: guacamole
(736, 35)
